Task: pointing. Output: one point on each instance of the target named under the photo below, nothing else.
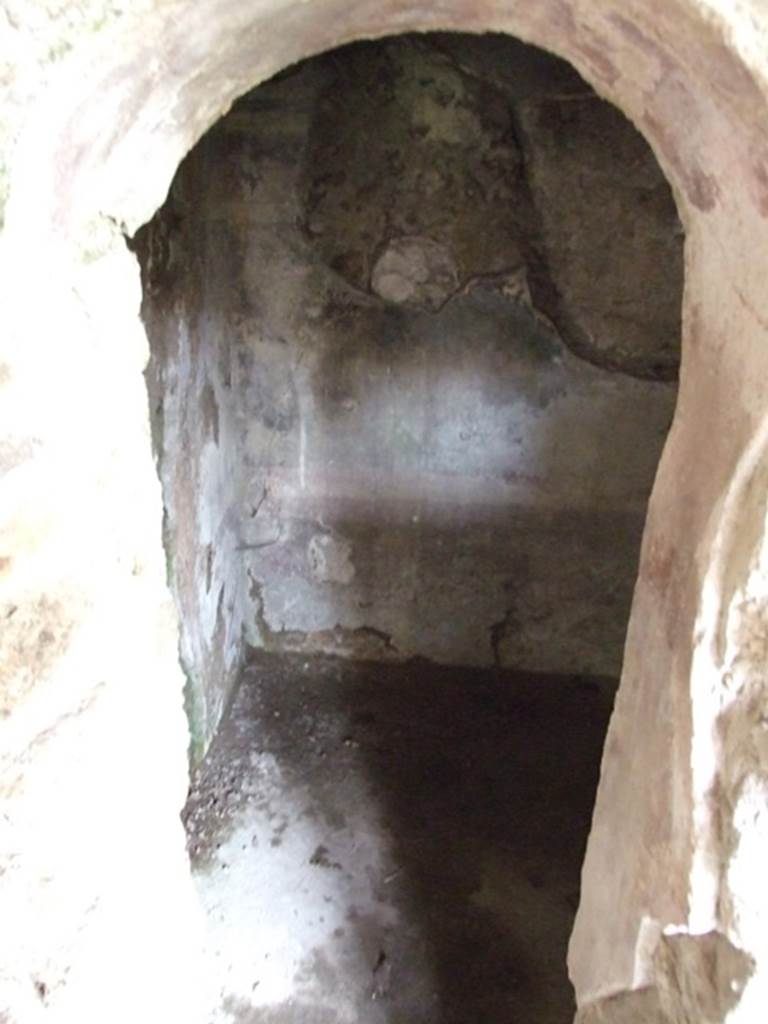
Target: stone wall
(195, 430)
(450, 343)
(103, 101)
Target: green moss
(58, 51)
(194, 707)
(105, 19)
(194, 693)
(76, 24)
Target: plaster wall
(449, 346)
(673, 907)
(195, 423)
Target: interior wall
(194, 416)
(102, 103)
(451, 343)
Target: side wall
(195, 431)
(93, 739)
(427, 464)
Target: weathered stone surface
(701, 980)
(610, 234)
(640, 1006)
(414, 271)
(518, 71)
(443, 153)
(448, 417)
(701, 977)
(466, 124)
(193, 414)
(330, 559)
(99, 138)
(92, 733)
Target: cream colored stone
(95, 903)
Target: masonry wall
(443, 279)
(196, 443)
(102, 102)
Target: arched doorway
(409, 389)
(679, 863)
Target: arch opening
(672, 908)
(414, 315)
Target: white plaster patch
(416, 271)
(330, 559)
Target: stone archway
(94, 731)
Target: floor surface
(385, 844)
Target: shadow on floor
(395, 844)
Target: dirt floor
(385, 844)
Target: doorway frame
(680, 819)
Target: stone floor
(386, 844)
